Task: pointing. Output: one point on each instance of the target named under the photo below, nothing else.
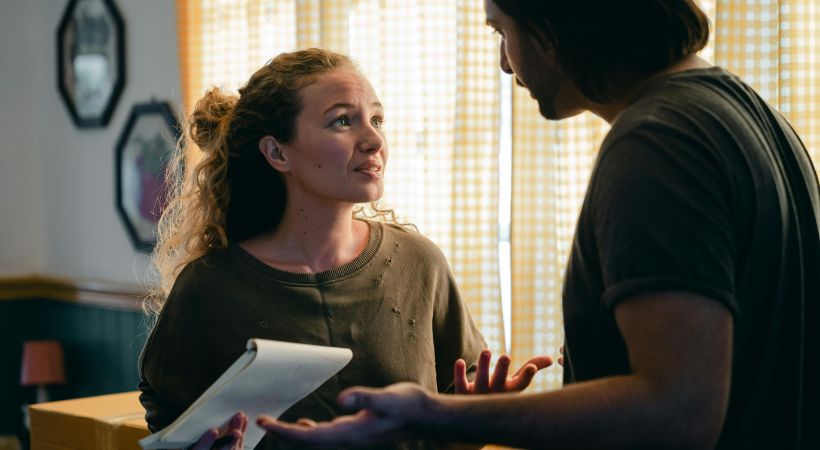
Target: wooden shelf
(105, 294)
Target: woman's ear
(273, 153)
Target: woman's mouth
(370, 168)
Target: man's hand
(384, 415)
(499, 382)
(230, 437)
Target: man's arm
(680, 354)
(676, 396)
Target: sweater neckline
(373, 244)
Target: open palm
(499, 381)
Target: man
(690, 299)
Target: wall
(101, 347)
(57, 181)
(57, 207)
(22, 230)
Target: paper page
(280, 374)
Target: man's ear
(274, 153)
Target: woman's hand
(499, 382)
(230, 437)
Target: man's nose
(503, 61)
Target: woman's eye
(377, 122)
(341, 121)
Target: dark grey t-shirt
(702, 187)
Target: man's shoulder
(701, 107)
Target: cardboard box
(105, 422)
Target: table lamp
(42, 365)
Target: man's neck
(609, 111)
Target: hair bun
(209, 121)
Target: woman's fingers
(502, 369)
(482, 374)
(460, 382)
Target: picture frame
(91, 60)
(143, 151)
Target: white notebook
(267, 379)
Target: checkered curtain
(774, 45)
(434, 65)
(551, 166)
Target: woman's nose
(373, 140)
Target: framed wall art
(143, 151)
(91, 60)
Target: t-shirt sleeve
(662, 219)
(455, 334)
(184, 352)
(158, 412)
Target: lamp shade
(42, 363)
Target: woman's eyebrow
(351, 106)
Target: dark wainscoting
(102, 330)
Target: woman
(262, 240)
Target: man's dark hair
(605, 45)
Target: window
(472, 163)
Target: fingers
(297, 432)
(207, 440)
(364, 428)
(482, 373)
(239, 434)
(382, 417)
(226, 437)
(502, 368)
(561, 358)
(523, 377)
(308, 432)
(356, 398)
(460, 381)
(398, 402)
(231, 435)
(500, 380)
(231, 441)
(539, 362)
(306, 422)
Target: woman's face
(339, 151)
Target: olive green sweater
(396, 306)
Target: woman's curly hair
(217, 171)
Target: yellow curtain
(433, 64)
(773, 45)
(551, 166)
